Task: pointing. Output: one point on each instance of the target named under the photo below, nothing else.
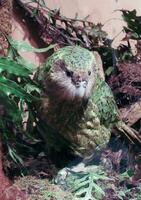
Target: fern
(85, 185)
(17, 91)
(19, 95)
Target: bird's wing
(108, 111)
(103, 97)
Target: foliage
(53, 27)
(19, 95)
(133, 29)
(14, 97)
(83, 184)
(86, 184)
(93, 182)
(21, 46)
(132, 32)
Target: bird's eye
(89, 73)
(69, 73)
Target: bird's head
(67, 83)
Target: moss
(41, 189)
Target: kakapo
(77, 102)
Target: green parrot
(77, 103)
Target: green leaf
(13, 67)
(109, 71)
(85, 185)
(24, 47)
(130, 172)
(35, 12)
(10, 87)
(98, 189)
(12, 152)
(11, 108)
(42, 2)
(133, 23)
(127, 174)
(31, 88)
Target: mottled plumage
(75, 101)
